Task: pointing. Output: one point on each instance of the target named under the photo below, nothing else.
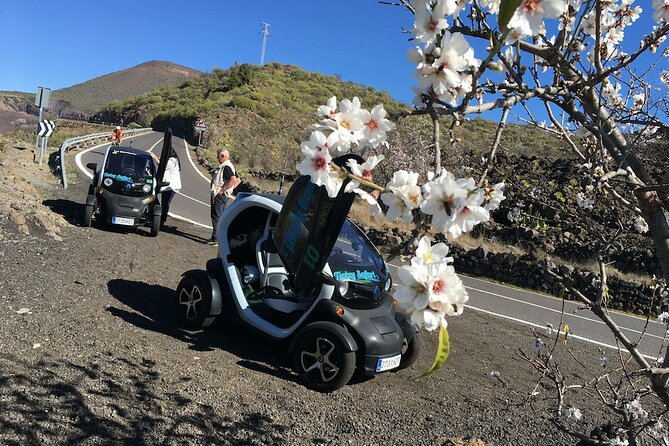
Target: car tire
(88, 215)
(410, 351)
(155, 226)
(193, 302)
(322, 361)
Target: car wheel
(322, 362)
(193, 302)
(410, 351)
(88, 216)
(155, 225)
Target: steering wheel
(128, 172)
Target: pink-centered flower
(430, 21)
(528, 17)
(363, 170)
(444, 197)
(375, 126)
(316, 164)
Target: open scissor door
(164, 155)
(307, 229)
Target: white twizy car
(294, 268)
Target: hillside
(262, 113)
(120, 85)
(80, 101)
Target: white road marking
(194, 199)
(543, 327)
(576, 316)
(179, 217)
(208, 180)
(544, 308)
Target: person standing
(223, 182)
(173, 176)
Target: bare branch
(493, 150)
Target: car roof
(130, 150)
(274, 197)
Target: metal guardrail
(91, 138)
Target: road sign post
(44, 130)
(42, 99)
(200, 127)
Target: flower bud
(496, 66)
(436, 52)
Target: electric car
(295, 269)
(124, 189)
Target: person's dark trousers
(217, 206)
(165, 200)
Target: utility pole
(265, 34)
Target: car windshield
(354, 259)
(128, 167)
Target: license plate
(388, 363)
(123, 221)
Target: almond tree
(570, 57)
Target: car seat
(274, 277)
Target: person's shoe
(212, 242)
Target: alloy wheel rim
(319, 362)
(190, 301)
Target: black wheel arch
(336, 329)
(91, 200)
(216, 299)
(408, 328)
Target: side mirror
(92, 166)
(162, 184)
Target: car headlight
(107, 181)
(342, 287)
(388, 284)
(146, 188)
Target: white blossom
(429, 22)
(363, 170)
(573, 412)
(404, 196)
(640, 225)
(583, 201)
(430, 290)
(663, 318)
(493, 196)
(635, 410)
(661, 12)
(528, 17)
(375, 126)
(455, 205)
(427, 253)
(618, 442)
(316, 164)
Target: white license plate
(123, 221)
(388, 363)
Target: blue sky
(59, 44)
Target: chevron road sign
(45, 128)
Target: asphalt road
(191, 204)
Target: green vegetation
(262, 113)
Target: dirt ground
(90, 353)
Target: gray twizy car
(295, 269)
(123, 191)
